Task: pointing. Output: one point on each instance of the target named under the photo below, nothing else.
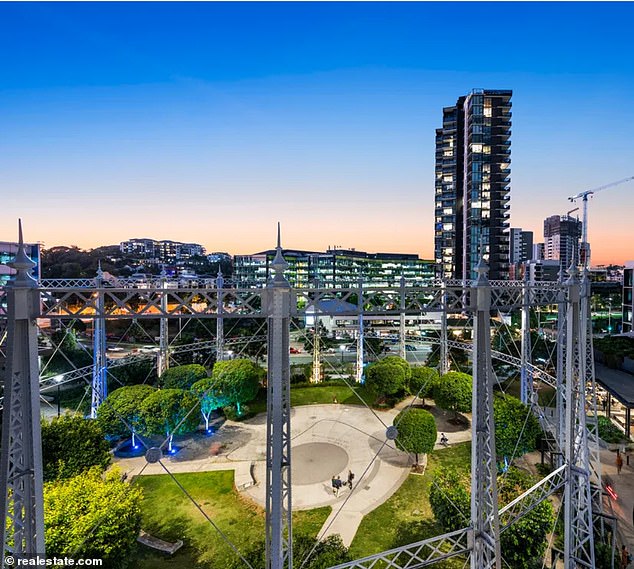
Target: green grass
(315, 395)
(407, 517)
(168, 514)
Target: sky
(210, 122)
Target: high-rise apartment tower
(472, 192)
(561, 239)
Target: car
(295, 351)
(410, 348)
(149, 349)
(114, 349)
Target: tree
(182, 377)
(169, 412)
(135, 372)
(91, 516)
(239, 380)
(397, 360)
(384, 379)
(523, 541)
(209, 396)
(454, 391)
(416, 431)
(120, 414)
(72, 445)
(517, 430)
(423, 381)
(327, 553)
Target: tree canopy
(384, 379)
(72, 445)
(238, 380)
(517, 430)
(92, 516)
(416, 431)
(523, 541)
(422, 382)
(210, 397)
(327, 553)
(182, 377)
(123, 406)
(397, 360)
(454, 392)
(169, 412)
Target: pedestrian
(333, 481)
(338, 485)
(625, 557)
(619, 462)
(350, 478)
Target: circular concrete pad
(317, 462)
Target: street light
(58, 379)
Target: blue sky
(208, 122)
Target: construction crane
(584, 228)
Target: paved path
(328, 440)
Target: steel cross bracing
(279, 303)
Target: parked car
(295, 351)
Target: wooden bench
(158, 544)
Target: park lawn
(407, 517)
(168, 514)
(316, 395)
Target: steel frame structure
(21, 465)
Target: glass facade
(472, 192)
(336, 268)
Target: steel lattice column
(220, 327)
(561, 366)
(316, 378)
(587, 360)
(279, 554)
(526, 377)
(162, 360)
(401, 321)
(484, 495)
(360, 346)
(22, 505)
(579, 542)
(443, 366)
(100, 362)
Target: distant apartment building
(336, 268)
(628, 308)
(539, 270)
(472, 192)
(562, 234)
(521, 245)
(164, 251)
(538, 251)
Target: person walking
(625, 557)
(350, 478)
(338, 484)
(619, 462)
(333, 481)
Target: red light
(611, 492)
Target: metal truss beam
(420, 554)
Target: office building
(561, 239)
(628, 311)
(337, 268)
(472, 192)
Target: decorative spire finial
(483, 270)
(22, 264)
(279, 264)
